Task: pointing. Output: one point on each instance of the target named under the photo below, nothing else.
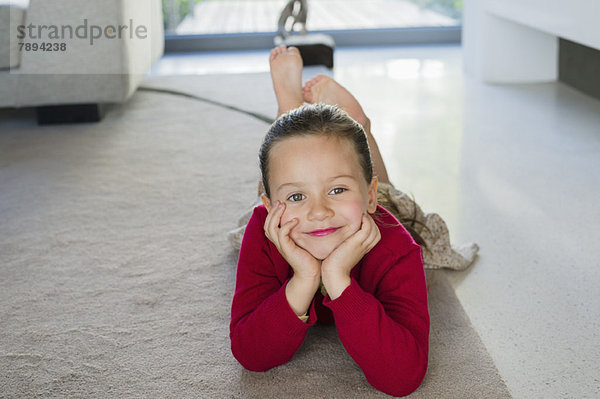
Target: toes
(273, 54)
(314, 89)
(309, 84)
(319, 78)
(293, 49)
(279, 50)
(312, 82)
(307, 95)
(276, 51)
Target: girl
(320, 226)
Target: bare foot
(286, 73)
(324, 89)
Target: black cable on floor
(209, 101)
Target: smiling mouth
(322, 233)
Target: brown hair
(316, 119)
(326, 121)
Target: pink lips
(322, 233)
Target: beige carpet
(116, 276)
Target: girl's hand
(305, 265)
(335, 270)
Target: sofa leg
(69, 113)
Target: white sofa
(102, 49)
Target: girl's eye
(337, 190)
(296, 197)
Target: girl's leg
(323, 89)
(286, 73)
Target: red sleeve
(387, 334)
(264, 331)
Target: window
(244, 19)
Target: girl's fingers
(279, 235)
(283, 235)
(365, 228)
(276, 216)
(267, 226)
(268, 220)
(284, 231)
(272, 222)
(372, 232)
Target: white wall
(513, 41)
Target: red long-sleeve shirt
(381, 318)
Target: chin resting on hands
(336, 268)
(302, 262)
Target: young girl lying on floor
(320, 226)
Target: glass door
(209, 17)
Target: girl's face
(321, 182)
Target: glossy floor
(515, 168)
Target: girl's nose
(319, 210)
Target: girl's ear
(372, 195)
(266, 202)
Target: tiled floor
(515, 168)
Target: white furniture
(107, 48)
(513, 41)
